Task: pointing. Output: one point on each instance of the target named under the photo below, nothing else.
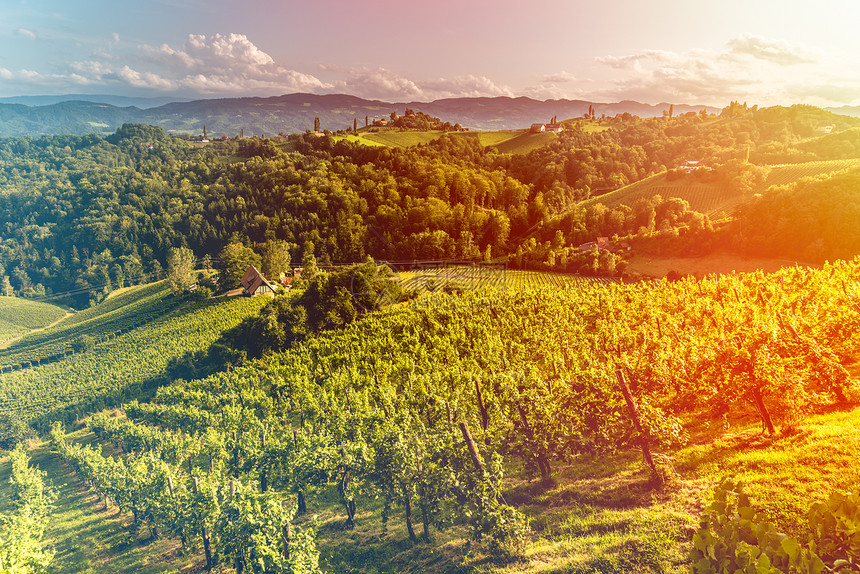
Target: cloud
(743, 70)
(384, 84)
(775, 51)
(559, 78)
(219, 64)
(636, 61)
(463, 87)
(375, 83)
(26, 33)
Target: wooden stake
(637, 422)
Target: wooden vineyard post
(181, 530)
(473, 450)
(643, 437)
(264, 482)
(207, 546)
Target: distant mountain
(853, 111)
(296, 112)
(118, 101)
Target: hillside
(515, 142)
(294, 113)
(365, 426)
(718, 199)
(20, 316)
(110, 352)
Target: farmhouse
(540, 128)
(254, 283)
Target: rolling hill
(516, 142)
(294, 113)
(19, 316)
(117, 347)
(716, 200)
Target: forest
(81, 215)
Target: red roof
(253, 280)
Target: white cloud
(227, 64)
(771, 50)
(375, 83)
(559, 78)
(463, 87)
(749, 68)
(384, 84)
(25, 33)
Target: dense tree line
(83, 215)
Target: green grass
(401, 139)
(86, 537)
(19, 316)
(506, 141)
(714, 199)
(803, 464)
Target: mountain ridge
(290, 113)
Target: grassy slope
(134, 358)
(18, 316)
(714, 199)
(515, 142)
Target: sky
(652, 51)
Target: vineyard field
(493, 277)
(19, 316)
(144, 335)
(126, 310)
(394, 434)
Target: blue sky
(661, 50)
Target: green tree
(276, 258)
(233, 261)
(6, 287)
(180, 269)
(316, 124)
(310, 269)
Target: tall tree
(316, 124)
(180, 269)
(276, 258)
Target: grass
(714, 199)
(401, 139)
(89, 539)
(515, 142)
(718, 263)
